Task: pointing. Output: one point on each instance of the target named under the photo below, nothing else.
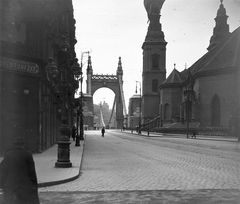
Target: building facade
(31, 32)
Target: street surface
(128, 168)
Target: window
(155, 85)
(155, 61)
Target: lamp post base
(63, 164)
(77, 144)
(63, 155)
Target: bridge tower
(154, 61)
(113, 82)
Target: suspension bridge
(114, 83)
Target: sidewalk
(200, 137)
(48, 174)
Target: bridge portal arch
(114, 83)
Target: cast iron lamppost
(81, 96)
(77, 109)
(132, 125)
(63, 82)
(78, 74)
(140, 106)
(81, 114)
(79, 77)
(189, 96)
(79, 106)
(26, 93)
(148, 122)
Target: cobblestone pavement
(143, 197)
(127, 163)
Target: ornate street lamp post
(148, 126)
(77, 70)
(81, 115)
(189, 96)
(140, 106)
(77, 109)
(132, 125)
(63, 83)
(64, 142)
(79, 77)
(81, 97)
(26, 93)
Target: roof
(135, 96)
(175, 78)
(224, 55)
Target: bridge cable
(123, 100)
(113, 107)
(101, 118)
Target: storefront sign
(18, 65)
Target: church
(207, 93)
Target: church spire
(119, 68)
(221, 29)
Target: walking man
(103, 131)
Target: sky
(110, 29)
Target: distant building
(106, 116)
(134, 111)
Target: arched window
(154, 85)
(215, 111)
(166, 111)
(155, 61)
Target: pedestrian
(137, 128)
(103, 131)
(194, 134)
(74, 132)
(18, 177)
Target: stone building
(215, 77)
(30, 33)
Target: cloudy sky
(113, 28)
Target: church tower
(221, 29)
(154, 60)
